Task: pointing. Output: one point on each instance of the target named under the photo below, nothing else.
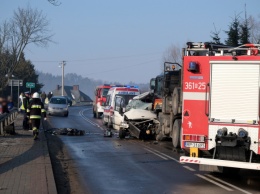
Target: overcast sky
(123, 40)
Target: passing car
(69, 100)
(58, 105)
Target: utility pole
(62, 77)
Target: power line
(121, 68)
(100, 59)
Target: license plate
(194, 145)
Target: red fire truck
(220, 94)
(100, 99)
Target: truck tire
(176, 130)
(176, 100)
(94, 114)
(122, 134)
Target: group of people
(33, 109)
(6, 104)
(32, 106)
(44, 96)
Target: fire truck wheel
(176, 133)
(175, 100)
(97, 115)
(122, 134)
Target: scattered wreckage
(66, 131)
(138, 119)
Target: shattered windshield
(127, 98)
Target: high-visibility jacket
(25, 103)
(36, 109)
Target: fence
(7, 119)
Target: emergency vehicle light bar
(126, 86)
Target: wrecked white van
(139, 120)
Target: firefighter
(35, 111)
(25, 103)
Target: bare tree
(4, 35)
(254, 25)
(55, 2)
(28, 26)
(173, 54)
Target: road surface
(110, 165)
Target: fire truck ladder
(212, 49)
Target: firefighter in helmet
(35, 111)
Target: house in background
(73, 92)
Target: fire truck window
(105, 91)
(159, 86)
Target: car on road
(58, 105)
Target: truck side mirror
(152, 84)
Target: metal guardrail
(7, 119)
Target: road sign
(30, 85)
(15, 82)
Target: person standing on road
(43, 97)
(25, 103)
(35, 111)
(49, 95)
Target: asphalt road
(110, 165)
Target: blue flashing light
(193, 67)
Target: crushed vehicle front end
(139, 123)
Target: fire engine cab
(100, 99)
(117, 99)
(220, 100)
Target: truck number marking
(193, 85)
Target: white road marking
(189, 168)
(81, 113)
(214, 182)
(163, 154)
(226, 183)
(156, 154)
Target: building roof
(73, 92)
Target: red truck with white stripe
(220, 106)
(100, 99)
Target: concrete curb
(52, 189)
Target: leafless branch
(55, 2)
(28, 26)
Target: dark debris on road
(66, 131)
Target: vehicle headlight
(65, 108)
